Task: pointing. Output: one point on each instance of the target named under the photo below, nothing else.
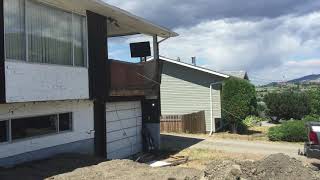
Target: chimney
(194, 61)
(178, 59)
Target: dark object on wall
(2, 57)
(141, 49)
(150, 111)
(99, 77)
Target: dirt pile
(277, 166)
(127, 169)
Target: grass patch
(256, 133)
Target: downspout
(211, 105)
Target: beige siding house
(185, 89)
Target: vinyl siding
(185, 90)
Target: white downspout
(211, 105)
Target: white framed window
(36, 126)
(38, 33)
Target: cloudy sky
(274, 40)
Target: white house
(56, 84)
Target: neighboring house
(58, 90)
(185, 88)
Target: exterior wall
(82, 128)
(185, 90)
(27, 82)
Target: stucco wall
(185, 90)
(27, 82)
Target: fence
(188, 123)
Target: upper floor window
(38, 33)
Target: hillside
(314, 78)
(309, 79)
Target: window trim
(85, 44)
(58, 132)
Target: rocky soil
(275, 167)
(79, 167)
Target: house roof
(238, 74)
(195, 67)
(120, 21)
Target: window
(65, 122)
(4, 131)
(34, 126)
(41, 34)
(22, 128)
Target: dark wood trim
(2, 57)
(99, 81)
(125, 98)
(100, 138)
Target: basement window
(65, 122)
(4, 131)
(29, 127)
(33, 126)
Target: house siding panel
(185, 90)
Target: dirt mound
(127, 169)
(277, 166)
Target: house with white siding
(59, 92)
(187, 88)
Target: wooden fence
(188, 123)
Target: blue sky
(273, 40)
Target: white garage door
(124, 125)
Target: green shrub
(287, 105)
(291, 131)
(314, 97)
(313, 117)
(238, 101)
(251, 121)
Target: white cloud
(274, 48)
(255, 46)
(287, 71)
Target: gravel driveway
(181, 141)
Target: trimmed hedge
(287, 105)
(238, 102)
(290, 131)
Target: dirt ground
(205, 163)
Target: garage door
(124, 125)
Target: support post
(156, 54)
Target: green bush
(290, 131)
(251, 121)
(238, 101)
(314, 97)
(313, 117)
(287, 105)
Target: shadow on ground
(177, 143)
(65, 163)
(39, 170)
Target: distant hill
(309, 79)
(314, 78)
